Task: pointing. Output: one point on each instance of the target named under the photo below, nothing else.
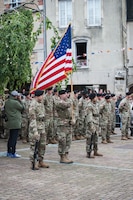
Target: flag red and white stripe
(56, 66)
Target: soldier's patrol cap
(107, 96)
(39, 93)
(62, 92)
(92, 95)
(128, 93)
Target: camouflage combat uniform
(64, 127)
(105, 121)
(92, 129)
(49, 122)
(82, 115)
(124, 110)
(113, 117)
(75, 117)
(37, 127)
(25, 120)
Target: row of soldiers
(79, 102)
(65, 115)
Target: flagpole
(73, 120)
(44, 30)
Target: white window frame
(81, 40)
(16, 2)
(67, 13)
(94, 13)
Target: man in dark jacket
(13, 110)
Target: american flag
(57, 65)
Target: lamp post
(44, 30)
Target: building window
(94, 12)
(65, 13)
(13, 3)
(81, 52)
(129, 10)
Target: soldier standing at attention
(92, 129)
(64, 127)
(49, 124)
(124, 110)
(113, 117)
(25, 118)
(105, 121)
(37, 129)
(75, 113)
(82, 114)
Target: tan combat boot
(64, 159)
(78, 137)
(123, 138)
(89, 155)
(109, 141)
(43, 165)
(35, 167)
(97, 154)
(104, 142)
(66, 154)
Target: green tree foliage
(17, 41)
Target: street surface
(104, 178)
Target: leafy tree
(16, 44)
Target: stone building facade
(101, 40)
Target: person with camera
(13, 110)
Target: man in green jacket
(13, 110)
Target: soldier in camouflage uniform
(82, 114)
(105, 121)
(92, 129)
(37, 129)
(49, 123)
(55, 116)
(25, 118)
(124, 110)
(75, 114)
(64, 127)
(113, 117)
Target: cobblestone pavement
(104, 178)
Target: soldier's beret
(128, 93)
(76, 91)
(112, 95)
(50, 88)
(92, 95)
(39, 93)
(107, 96)
(103, 94)
(62, 92)
(26, 93)
(55, 89)
(67, 91)
(84, 92)
(99, 95)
